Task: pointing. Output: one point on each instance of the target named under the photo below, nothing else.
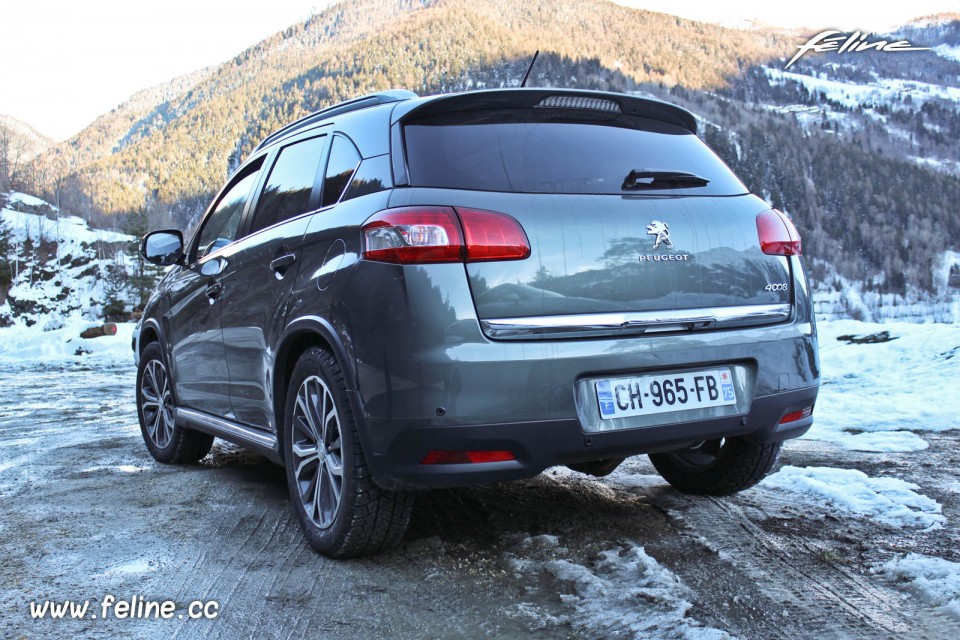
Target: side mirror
(163, 248)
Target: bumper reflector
(467, 457)
(793, 416)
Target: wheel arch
(150, 332)
(300, 335)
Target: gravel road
(88, 514)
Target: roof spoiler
(529, 98)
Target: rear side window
(220, 227)
(521, 151)
(290, 185)
(344, 159)
(372, 176)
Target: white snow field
(60, 266)
(881, 397)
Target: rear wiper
(644, 179)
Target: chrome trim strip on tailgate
(636, 322)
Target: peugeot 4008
(400, 293)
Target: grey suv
(400, 293)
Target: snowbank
(935, 580)
(889, 501)
(19, 343)
(874, 397)
(59, 265)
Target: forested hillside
(861, 151)
(19, 145)
(184, 146)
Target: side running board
(258, 441)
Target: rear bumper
(540, 445)
(427, 378)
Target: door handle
(280, 264)
(213, 291)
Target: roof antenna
(523, 82)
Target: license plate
(645, 395)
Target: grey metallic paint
(421, 372)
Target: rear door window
(290, 188)
(522, 151)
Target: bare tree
(4, 159)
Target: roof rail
(370, 100)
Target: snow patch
(65, 229)
(889, 91)
(947, 51)
(135, 567)
(889, 501)
(623, 592)
(935, 580)
(26, 199)
(122, 468)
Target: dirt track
(87, 513)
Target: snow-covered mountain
(862, 149)
(906, 103)
(21, 138)
(60, 269)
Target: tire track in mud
(88, 513)
(805, 577)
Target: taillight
(417, 235)
(413, 235)
(778, 236)
(493, 236)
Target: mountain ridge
(354, 48)
(887, 118)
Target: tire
(342, 512)
(717, 467)
(166, 441)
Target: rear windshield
(525, 151)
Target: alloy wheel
(156, 403)
(317, 451)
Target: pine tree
(145, 275)
(6, 268)
(114, 298)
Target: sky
(64, 62)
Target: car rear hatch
(633, 224)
